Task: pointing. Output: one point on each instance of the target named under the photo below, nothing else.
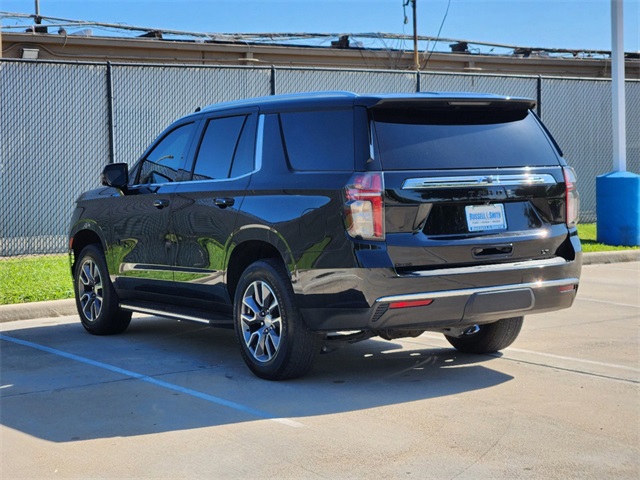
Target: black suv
(313, 220)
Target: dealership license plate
(485, 217)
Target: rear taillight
(364, 207)
(572, 198)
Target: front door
(142, 248)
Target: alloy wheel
(90, 290)
(260, 321)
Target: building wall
(149, 50)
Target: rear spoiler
(503, 103)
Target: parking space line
(607, 302)
(154, 381)
(574, 359)
(550, 355)
(566, 369)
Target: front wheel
(96, 299)
(488, 338)
(274, 341)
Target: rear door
(468, 184)
(204, 210)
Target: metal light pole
(416, 62)
(618, 192)
(617, 88)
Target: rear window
(415, 139)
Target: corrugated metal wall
(55, 124)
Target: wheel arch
(248, 249)
(82, 238)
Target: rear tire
(274, 341)
(96, 299)
(489, 337)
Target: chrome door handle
(224, 202)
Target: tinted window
(411, 139)
(320, 140)
(272, 144)
(163, 162)
(243, 159)
(222, 146)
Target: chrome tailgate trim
(467, 292)
(478, 181)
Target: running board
(192, 315)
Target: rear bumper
(361, 299)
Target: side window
(243, 159)
(163, 162)
(320, 140)
(272, 144)
(226, 150)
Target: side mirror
(115, 175)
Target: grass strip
(588, 237)
(35, 279)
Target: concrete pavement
(174, 400)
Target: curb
(62, 308)
(28, 311)
(597, 258)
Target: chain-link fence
(147, 99)
(61, 122)
(578, 113)
(514, 86)
(53, 140)
(293, 80)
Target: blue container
(618, 208)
